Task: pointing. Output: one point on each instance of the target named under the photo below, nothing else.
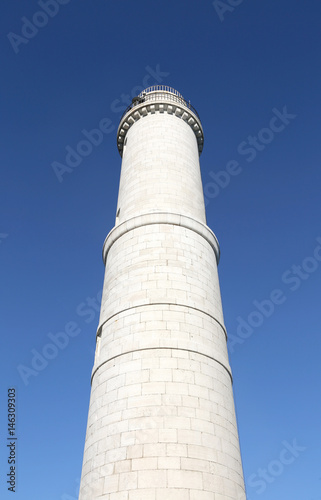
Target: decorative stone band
(161, 218)
(218, 359)
(176, 305)
(162, 105)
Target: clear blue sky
(242, 68)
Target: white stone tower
(161, 422)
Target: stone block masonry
(161, 421)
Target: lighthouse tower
(161, 422)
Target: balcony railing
(161, 88)
(160, 93)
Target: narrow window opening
(117, 216)
(98, 340)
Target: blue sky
(253, 72)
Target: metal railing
(162, 88)
(158, 93)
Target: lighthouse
(161, 422)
